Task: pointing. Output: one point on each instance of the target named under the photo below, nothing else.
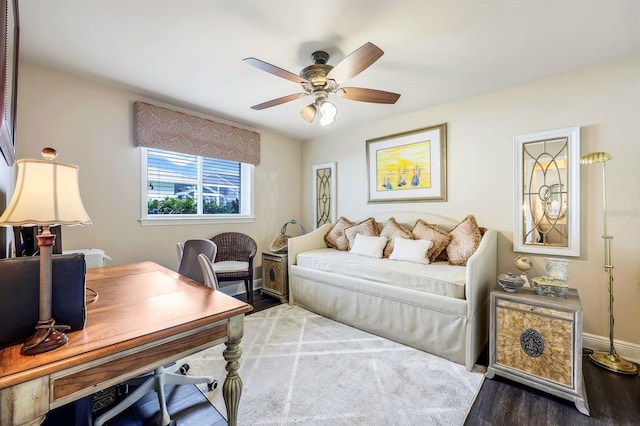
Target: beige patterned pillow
(335, 237)
(391, 230)
(465, 239)
(366, 227)
(426, 231)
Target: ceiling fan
(320, 80)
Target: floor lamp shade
(46, 194)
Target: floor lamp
(46, 194)
(609, 360)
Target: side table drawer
(536, 340)
(274, 276)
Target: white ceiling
(189, 52)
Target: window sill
(191, 220)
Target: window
(183, 187)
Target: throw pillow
(335, 238)
(465, 239)
(367, 227)
(365, 245)
(426, 231)
(411, 250)
(391, 230)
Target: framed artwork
(410, 166)
(324, 194)
(9, 31)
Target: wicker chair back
(236, 247)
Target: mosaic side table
(537, 341)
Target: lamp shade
(595, 157)
(46, 193)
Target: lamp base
(613, 363)
(46, 338)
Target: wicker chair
(234, 260)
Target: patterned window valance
(160, 128)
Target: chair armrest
(180, 248)
(210, 279)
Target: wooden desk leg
(25, 404)
(232, 387)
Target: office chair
(193, 255)
(234, 260)
(191, 264)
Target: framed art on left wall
(10, 32)
(324, 194)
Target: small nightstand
(275, 280)
(537, 340)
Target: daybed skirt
(436, 324)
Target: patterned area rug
(301, 368)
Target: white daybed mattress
(436, 278)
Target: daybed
(436, 307)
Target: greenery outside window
(179, 188)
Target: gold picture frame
(10, 31)
(409, 166)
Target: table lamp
(46, 194)
(609, 360)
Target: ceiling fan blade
(308, 112)
(368, 95)
(264, 66)
(279, 101)
(356, 62)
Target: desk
(146, 316)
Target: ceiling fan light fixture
(328, 112)
(326, 121)
(308, 113)
(327, 109)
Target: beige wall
(91, 125)
(604, 101)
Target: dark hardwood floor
(614, 399)
(260, 301)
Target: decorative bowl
(549, 286)
(510, 283)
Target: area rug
(301, 368)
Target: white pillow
(410, 250)
(365, 245)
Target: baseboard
(628, 351)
